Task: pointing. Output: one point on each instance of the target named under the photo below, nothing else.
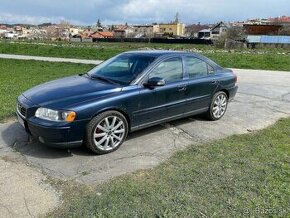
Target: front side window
(122, 69)
(170, 70)
(196, 67)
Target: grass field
(241, 176)
(266, 59)
(18, 76)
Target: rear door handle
(213, 81)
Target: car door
(202, 83)
(165, 101)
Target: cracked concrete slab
(262, 98)
(24, 191)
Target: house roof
(221, 23)
(205, 31)
(106, 34)
(87, 32)
(99, 35)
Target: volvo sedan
(128, 92)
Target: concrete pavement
(263, 97)
(50, 59)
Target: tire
(218, 106)
(106, 132)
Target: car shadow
(15, 137)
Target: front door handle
(213, 81)
(181, 88)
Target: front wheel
(218, 106)
(106, 132)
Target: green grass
(240, 176)
(252, 61)
(18, 76)
(264, 59)
(100, 51)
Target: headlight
(54, 115)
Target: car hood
(69, 90)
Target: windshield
(122, 69)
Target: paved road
(263, 97)
(51, 59)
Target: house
(86, 33)
(101, 35)
(3, 30)
(74, 31)
(258, 21)
(18, 30)
(193, 29)
(10, 35)
(119, 33)
(204, 34)
(172, 29)
(123, 31)
(146, 31)
(283, 20)
(214, 32)
(219, 29)
(25, 33)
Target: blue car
(128, 92)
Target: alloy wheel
(109, 133)
(219, 106)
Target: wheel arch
(123, 112)
(225, 91)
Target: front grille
(21, 110)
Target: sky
(87, 12)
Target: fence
(154, 40)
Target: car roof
(157, 53)
(164, 53)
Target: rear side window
(197, 68)
(170, 70)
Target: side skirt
(191, 113)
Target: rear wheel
(106, 132)
(218, 106)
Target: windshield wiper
(82, 74)
(103, 79)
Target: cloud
(139, 11)
(26, 19)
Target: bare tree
(285, 31)
(235, 33)
(64, 24)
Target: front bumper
(61, 134)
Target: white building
(215, 32)
(11, 35)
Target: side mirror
(154, 81)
